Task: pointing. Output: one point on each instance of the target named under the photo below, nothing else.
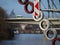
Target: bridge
(31, 21)
(53, 21)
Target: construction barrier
(37, 15)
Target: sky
(10, 5)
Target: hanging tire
(38, 18)
(56, 39)
(26, 8)
(54, 32)
(44, 24)
(23, 3)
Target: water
(27, 39)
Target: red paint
(35, 14)
(37, 6)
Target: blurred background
(24, 34)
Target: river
(28, 39)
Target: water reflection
(27, 39)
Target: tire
(23, 3)
(26, 8)
(46, 22)
(56, 39)
(54, 32)
(40, 16)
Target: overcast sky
(9, 5)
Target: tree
(5, 32)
